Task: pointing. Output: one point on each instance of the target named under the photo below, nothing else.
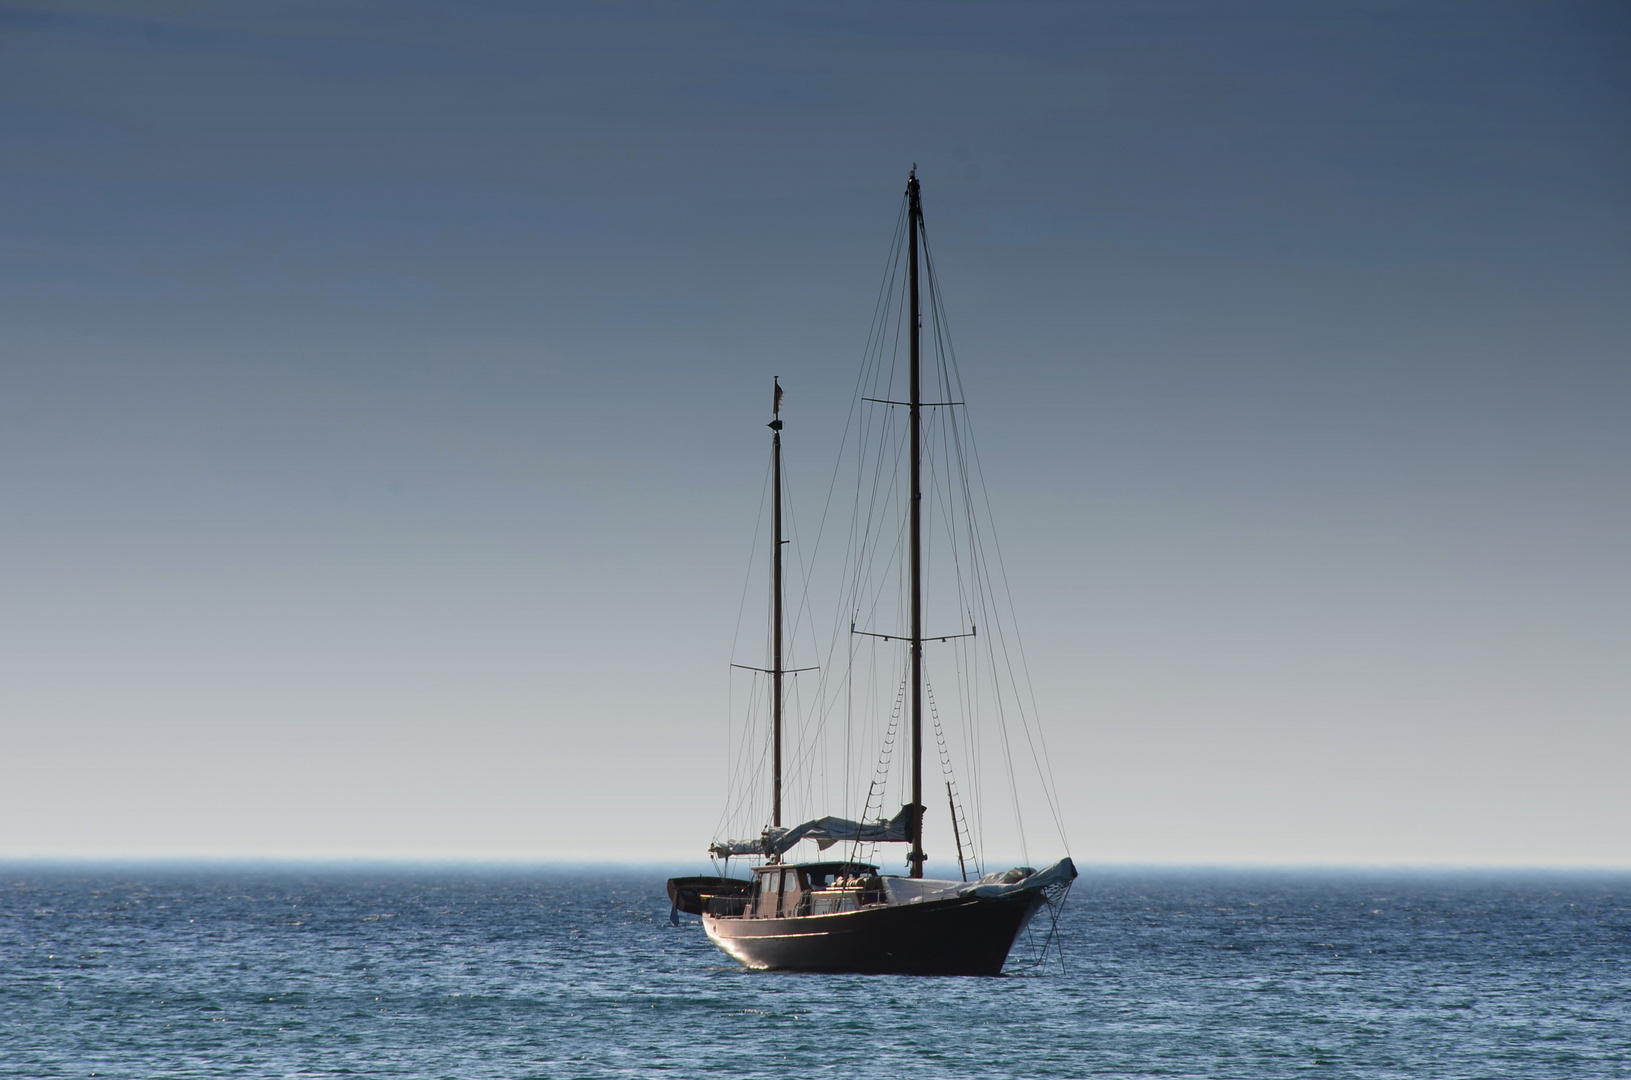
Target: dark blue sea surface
(551, 972)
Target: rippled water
(568, 973)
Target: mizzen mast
(776, 608)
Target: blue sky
(381, 435)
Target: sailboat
(843, 914)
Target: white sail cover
(825, 831)
(1021, 879)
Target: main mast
(776, 608)
(914, 223)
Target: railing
(728, 906)
(825, 901)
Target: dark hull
(956, 936)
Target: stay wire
(1042, 760)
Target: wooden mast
(914, 222)
(776, 608)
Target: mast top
(776, 405)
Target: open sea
(552, 972)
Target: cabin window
(779, 892)
(763, 886)
(768, 890)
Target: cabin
(782, 891)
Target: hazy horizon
(740, 868)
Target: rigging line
(950, 388)
(969, 693)
(886, 425)
(901, 316)
(993, 638)
(736, 755)
(875, 722)
(947, 773)
(730, 776)
(873, 345)
(881, 322)
(874, 348)
(741, 786)
(949, 429)
(849, 701)
(867, 553)
(1045, 763)
(801, 764)
(750, 767)
(810, 750)
(997, 633)
(803, 567)
(866, 569)
(881, 771)
(980, 591)
(889, 434)
(805, 754)
(1025, 723)
(942, 493)
(802, 612)
(877, 596)
(868, 712)
(947, 359)
(747, 577)
(967, 656)
(812, 719)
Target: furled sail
(825, 831)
